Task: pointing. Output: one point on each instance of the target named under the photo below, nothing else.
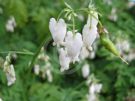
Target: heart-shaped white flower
(73, 45)
(90, 32)
(58, 30)
(89, 35)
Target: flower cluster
(9, 70)
(43, 66)
(73, 46)
(92, 83)
(94, 88)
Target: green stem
(73, 19)
(18, 52)
(60, 15)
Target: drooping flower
(58, 30)
(85, 70)
(73, 45)
(11, 24)
(64, 59)
(90, 32)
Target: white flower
(85, 70)
(36, 69)
(10, 74)
(64, 59)
(58, 30)
(73, 45)
(89, 36)
(90, 32)
(11, 24)
(95, 88)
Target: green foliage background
(32, 17)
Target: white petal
(89, 35)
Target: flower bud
(108, 44)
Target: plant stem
(73, 19)
(18, 52)
(60, 14)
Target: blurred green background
(32, 18)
